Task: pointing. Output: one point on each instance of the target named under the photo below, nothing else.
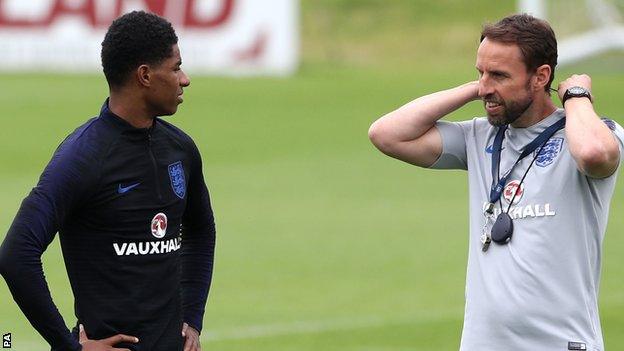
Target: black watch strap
(576, 91)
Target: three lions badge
(176, 175)
(547, 154)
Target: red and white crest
(513, 187)
(159, 225)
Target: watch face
(577, 90)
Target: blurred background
(323, 242)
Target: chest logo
(159, 225)
(547, 154)
(124, 189)
(176, 175)
(490, 149)
(513, 187)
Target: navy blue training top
(136, 230)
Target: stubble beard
(512, 110)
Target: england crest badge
(547, 153)
(176, 175)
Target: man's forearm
(408, 134)
(415, 118)
(31, 294)
(197, 262)
(592, 145)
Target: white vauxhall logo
(156, 247)
(513, 187)
(159, 225)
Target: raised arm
(409, 133)
(592, 145)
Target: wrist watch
(574, 92)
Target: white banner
(239, 37)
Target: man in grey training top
(540, 188)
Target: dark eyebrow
(501, 73)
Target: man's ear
(143, 73)
(541, 77)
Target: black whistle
(502, 230)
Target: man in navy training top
(126, 193)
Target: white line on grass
(296, 327)
(310, 327)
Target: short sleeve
(618, 132)
(453, 146)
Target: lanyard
(497, 187)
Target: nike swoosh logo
(490, 149)
(123, 190)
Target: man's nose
(185, 81)
(485, 88)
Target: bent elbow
(374, 135)
(14, 258)
(599, 161)
(379, 137)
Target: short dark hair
(534, 37)
(134, 39)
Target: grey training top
(538, 292)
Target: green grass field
(323, 242)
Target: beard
(512, 110)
